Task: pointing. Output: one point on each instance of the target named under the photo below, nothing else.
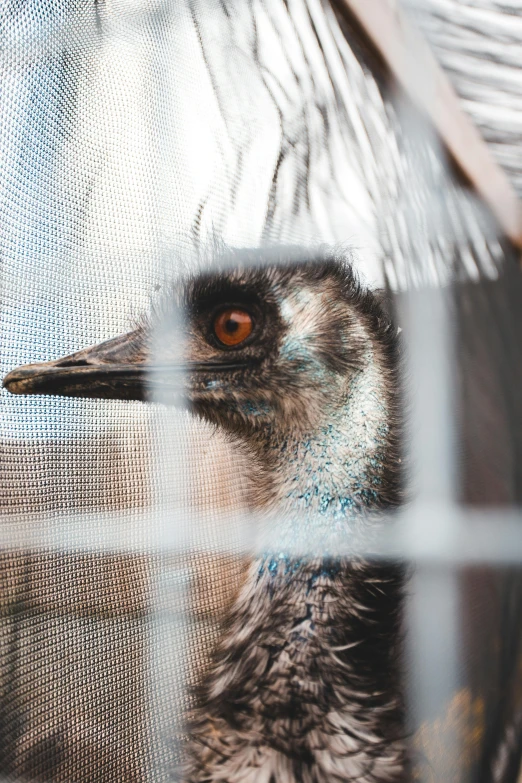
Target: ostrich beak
(117, 369)
(112, 370)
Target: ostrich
(298, 364)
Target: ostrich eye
(233, 326)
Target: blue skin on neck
(328, 477)
(328, 489)
(277, 567)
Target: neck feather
(336, 469)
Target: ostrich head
(290, 356)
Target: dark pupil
(231, 326)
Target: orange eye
(232, 326)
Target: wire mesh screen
(148, 143)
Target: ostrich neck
(335, 469)
(306, 681)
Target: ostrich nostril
(72, 361)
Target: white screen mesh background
(132, 135)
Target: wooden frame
(411, 62)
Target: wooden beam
(410, 60)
